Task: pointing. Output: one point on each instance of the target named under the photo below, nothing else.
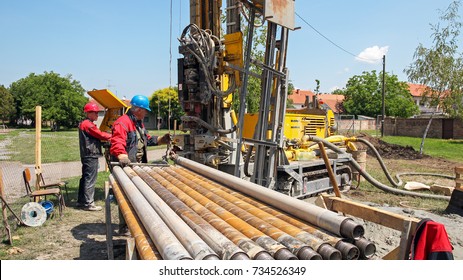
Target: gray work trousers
(87, 181)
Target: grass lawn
(447, 149)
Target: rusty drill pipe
(290, 243)
(322, 247)
(328, 220)
(189, 239)
(165, 241)
(348, 251)
(256, 218)
(277, 250)
(367, 248)
(145, 247)
(226, 249)
(251, 248)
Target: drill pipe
(277, 250)
(226, 249)
(348, 251)
(328, 220)
(190, 240)
(255, 251)
(262, 222)
(145, 247)
(167, 244)
(367, 248)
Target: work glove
(164, 139)
(123, 160)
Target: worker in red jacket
(90, 138)
(129, 136)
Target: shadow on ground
(94, 245)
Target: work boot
(92, 207)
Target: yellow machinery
(113, 105)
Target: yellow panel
(107, 99)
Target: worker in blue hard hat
(129, 136)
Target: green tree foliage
(61, 98)
(440, 67)
(7, 108)
(363, 96)
(165, 101)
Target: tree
(363, 96)
(7, 108)
(165, 101)
(61, 98)
(440, 67)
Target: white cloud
(373, 54)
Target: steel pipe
(348, 251)
(328, 220)
(226, 249)
(167, 244)
(252, 249)
(145, 247)
(275, 228)
(367, 248)
(277, 250)
(189, 239)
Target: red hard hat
(91, 107)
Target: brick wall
(416, 127)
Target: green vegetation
(442, 148)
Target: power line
(333, 43)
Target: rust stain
(279, 7)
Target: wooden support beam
(375, 215)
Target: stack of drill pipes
(347, 250)
(165, 241)
(189, 239)
(322, 247)
(300, 249)
(277, 250)
(252, 249)
(145, 247)
(226, 249)
(323, 218)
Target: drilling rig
(250, 146)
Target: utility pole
(383, 111)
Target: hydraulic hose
(373, 181)
(386, 172)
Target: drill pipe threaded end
(307, 253)
(329, 253)
(348, 251)
(352, 230)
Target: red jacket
(125, 137)
(90, 139)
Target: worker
(90, 138)
(130, 138)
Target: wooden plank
(378, 216)
(109, 231)
(392, 255)
(4, 213)
(38, 146)
(405, 240)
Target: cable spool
(33, 214)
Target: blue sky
(125, 45)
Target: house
(327, 101)
(418, 92)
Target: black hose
(373, 181)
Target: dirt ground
(81, 235)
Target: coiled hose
(386, 172)
(372, 180)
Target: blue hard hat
(141, 101)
